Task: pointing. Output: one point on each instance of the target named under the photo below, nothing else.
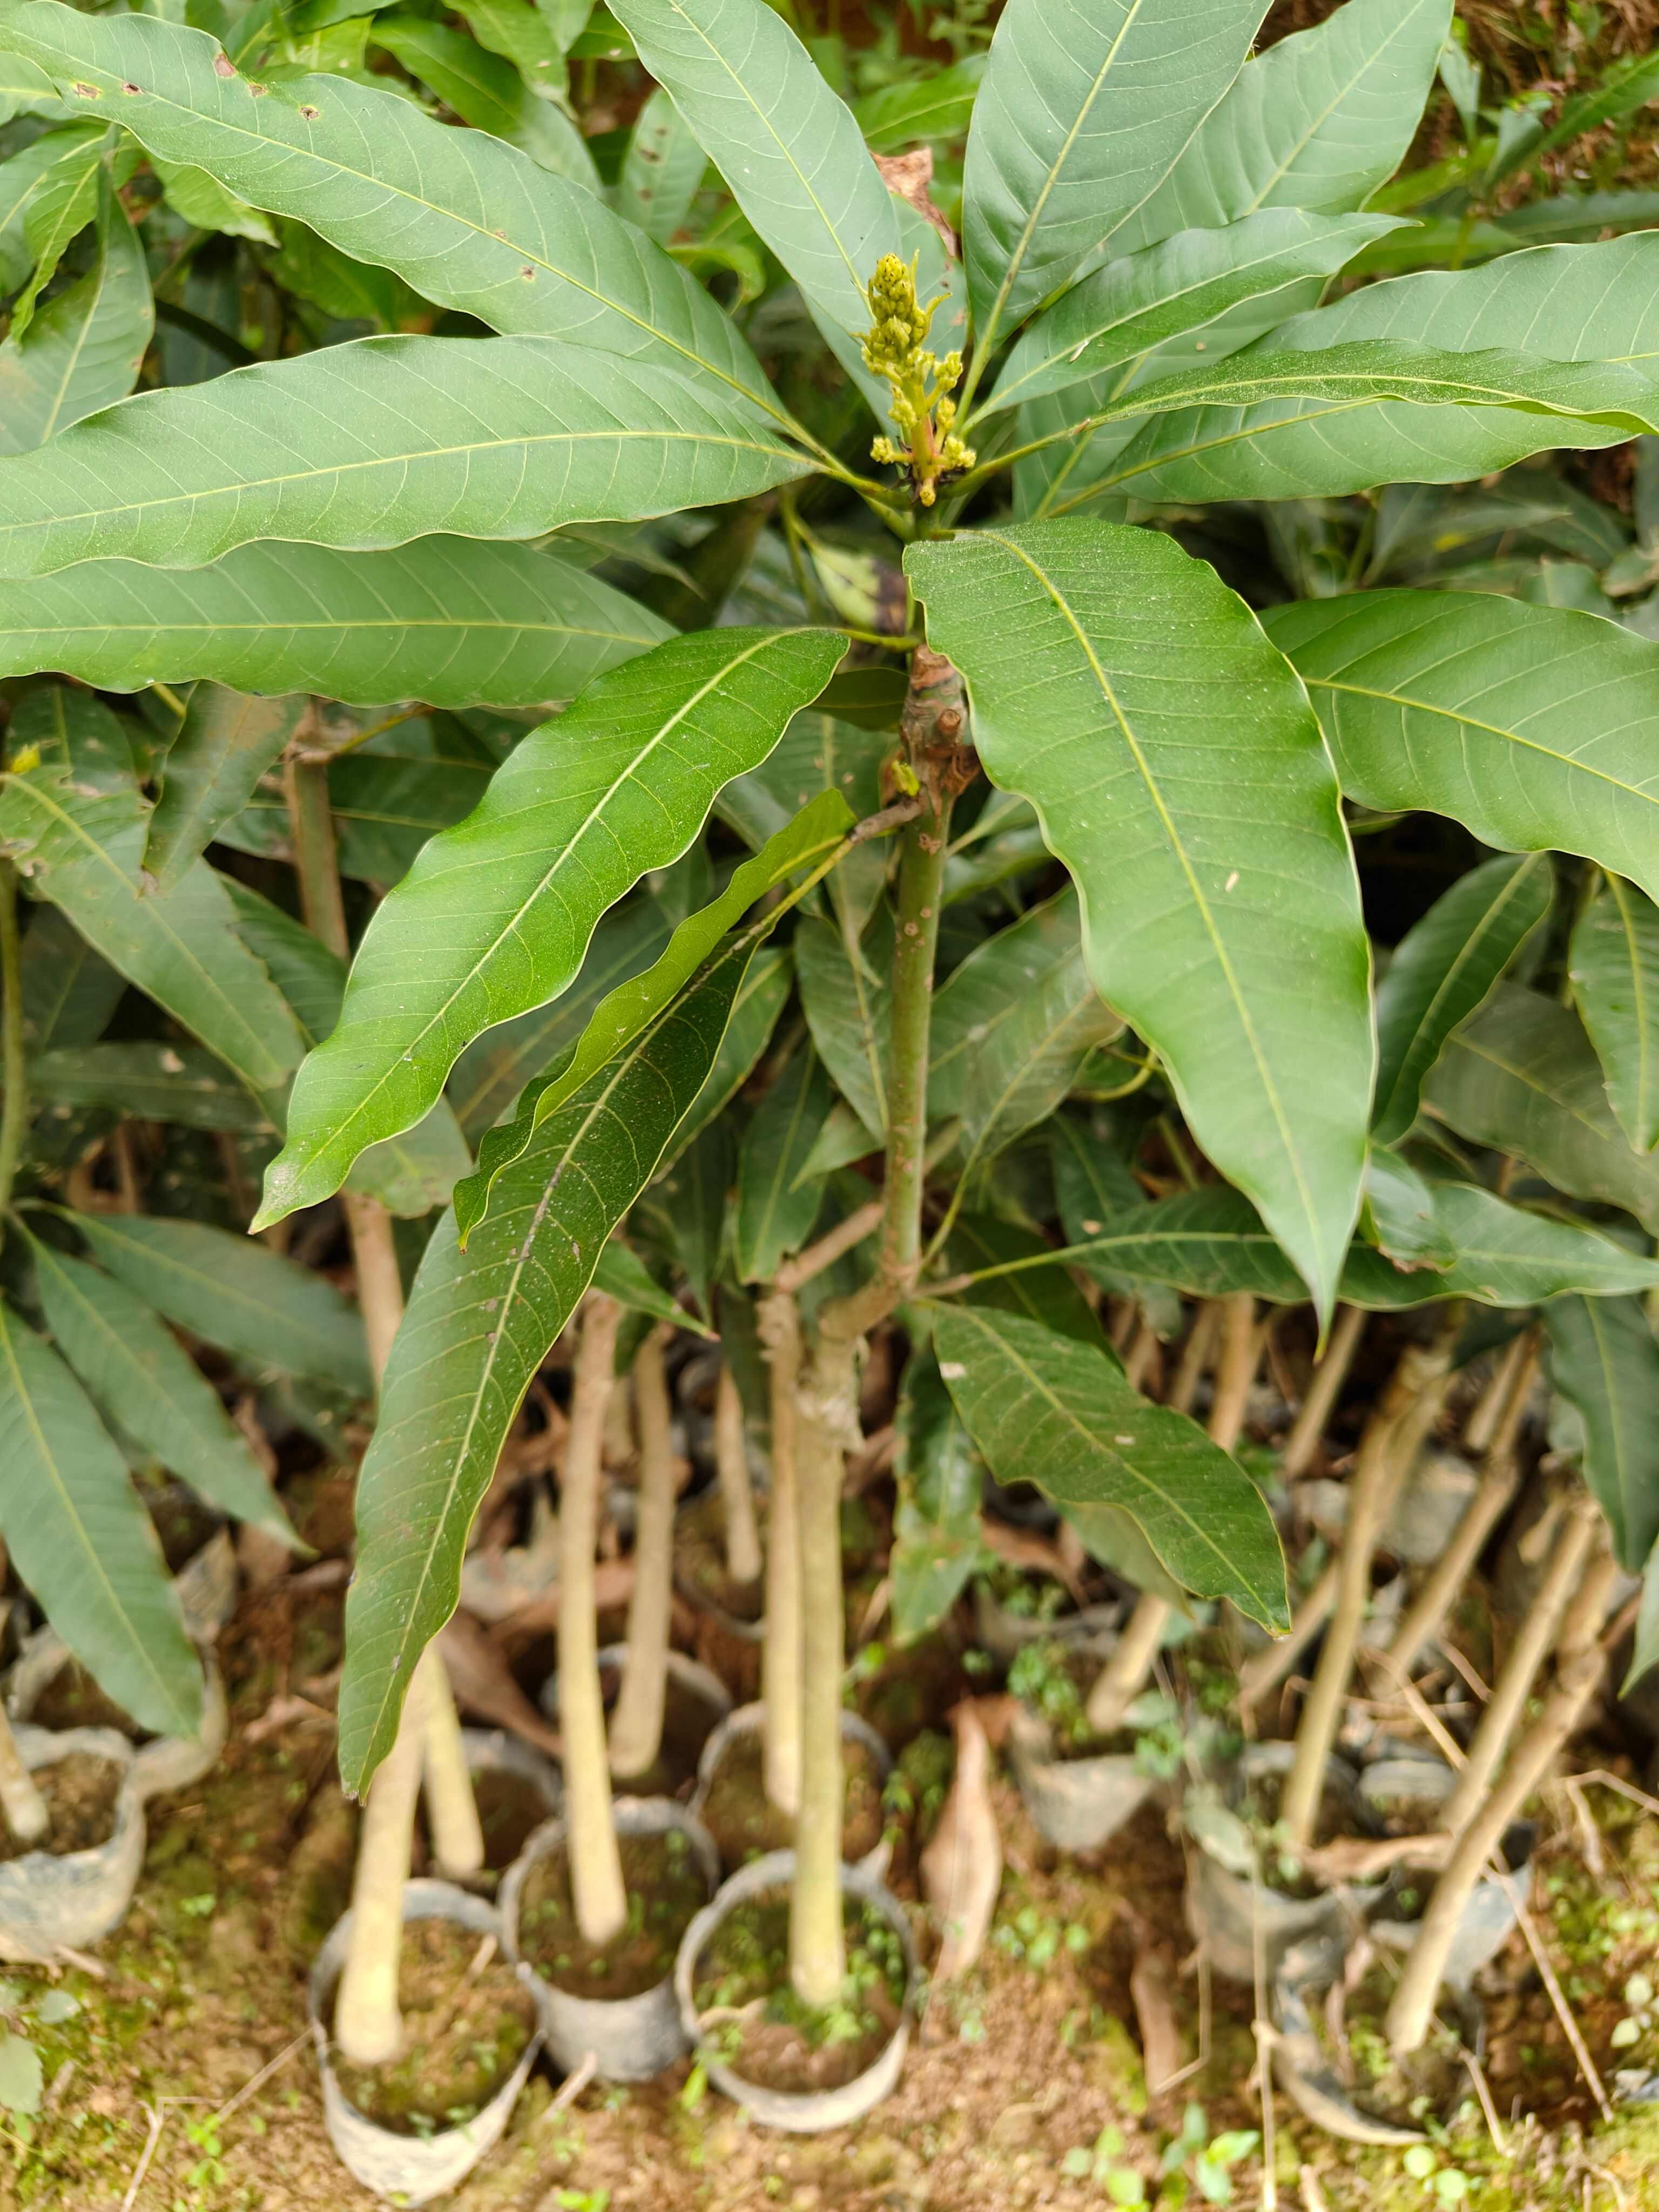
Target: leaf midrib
(1270, 1090)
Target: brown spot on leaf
(223, 65)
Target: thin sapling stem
(1328, 1377)
(778, 1322)
(636, 1720)
(24, 1807)
(743, 1551)
(367, 2024)
(1580, 1662)
(595, 1862)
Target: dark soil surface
(666, 1888)
(467, 2018)
(700, 1562)
(79, 1793)
(509, 1807)
(688, 1721)
(743, 1824)
(762, 2028)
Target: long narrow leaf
(456, 621)
(496, 913)
(82, 1542)
(1614, 960)
(469, 222)
(1528, 725)
(619, 1019)
(1047, 1410)
(1232, 941)
(370, 444)
(790, 150)
(479, 1324)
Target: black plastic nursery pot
(791, 2111)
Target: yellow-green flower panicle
(894, 347)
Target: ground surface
(1010, 2082)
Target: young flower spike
(894, 347)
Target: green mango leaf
(1012, 1026)
(1123, 311)
(789, 149)
(818, 753)
(1082, 114)
(623, 1275)
(456, 621)
(84, 846)
(479, 1325)
(693, 1197)
(471, 223)
(1521, 1076)
(939, 105)
(621, 1017)
(486, 90)
(410, 1173)
(937, 1477)
(661, 171)
(69, 992)
(1442, 970)
(144, 1381)
(1398, 1215)
(369, 444)
(84, 349)
(224, 745)
(490, 1073)
(1156, 690)
(1318, 121)
(82, 1542)
(65, 200)
(235, 1293)
(204, 204)
(1046, 1410)
(496, 913)
(527, 38)
(762, 996)
(1528, 725)
(775, 1209)
(27, 175)
(845, 994)
(1039, 1287)
(1211, 1242)
(26, 90)
(150, 1079)
(1614, 963)
(1593, 302)
(1603, 1359)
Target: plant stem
(778, 1322)
(1328, 1377)
(1265, 1669)
(595, 1862)
(1499, 1485)
(743, 1551)
(1402, 1418)
(1124, 1676)
(1580, 1661)
(921, 880)
(1532, 1645)
(451, 1810)
(828, 1424)
(637, 1720)
(15, 1113)
(367, 2024)
(1505, 1395)
(24, 1807)
(435, 1747)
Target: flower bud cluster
(894, 346)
